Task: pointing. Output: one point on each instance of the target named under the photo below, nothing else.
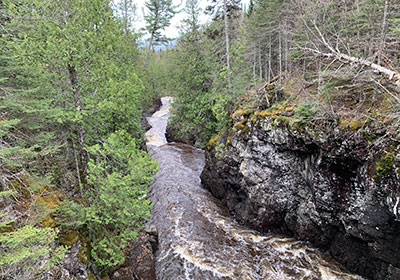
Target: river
(199, 240)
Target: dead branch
(337, 54)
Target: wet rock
(142, 257)
(172, 135)
(71, 267)
(122, 274)
(317, 188)
(155, 107)
(140, 264)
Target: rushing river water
(197, 237)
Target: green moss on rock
(230, 137)
(68, 238)
(241, 127)
(212, 142)
(84, 251)
(385, 164)
(356, 124)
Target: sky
(172, 31)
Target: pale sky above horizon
(173, 30)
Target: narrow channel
(199, 240)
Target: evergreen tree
(27, 144)
(118, 176)
(126, 10)
(160, 13)
(192, 9)
(191, 68)
(68, 84)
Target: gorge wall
(337, 189)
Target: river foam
(199, 240)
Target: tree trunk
(286, 51)
(392, 75)
(81, 133)
(149, 49)
(228, 62)
(383, 37)
(126, 16)
(336, 54)
(280, 55)
(260, 59)
(254, 60)
(269, 56)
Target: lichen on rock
(323, 181)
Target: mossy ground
(387, 163)
(39, 202)
(68, 238)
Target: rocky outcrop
(72, 266)
(334, 189)
(140, 262)
(172, 134)
(143, 120)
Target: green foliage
(385, 164)
(27, 244)
(27, 117)
(201, 106)
(305, 111)
(91, 84)
(118, 178)
(69, 85)
(221, 108)
(197, 75)
(158, 73)
(160, 13)
(396, 27)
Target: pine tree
(228, 10)
(193, 11)
(160, 13)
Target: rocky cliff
(336, 186)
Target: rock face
(322, 188)
(172, 135)
(140, 263)
(142, 258)
(143, 121)
(71, 266)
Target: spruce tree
(160, 13)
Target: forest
(76, 77)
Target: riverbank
(198, 238)
(334, 183)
